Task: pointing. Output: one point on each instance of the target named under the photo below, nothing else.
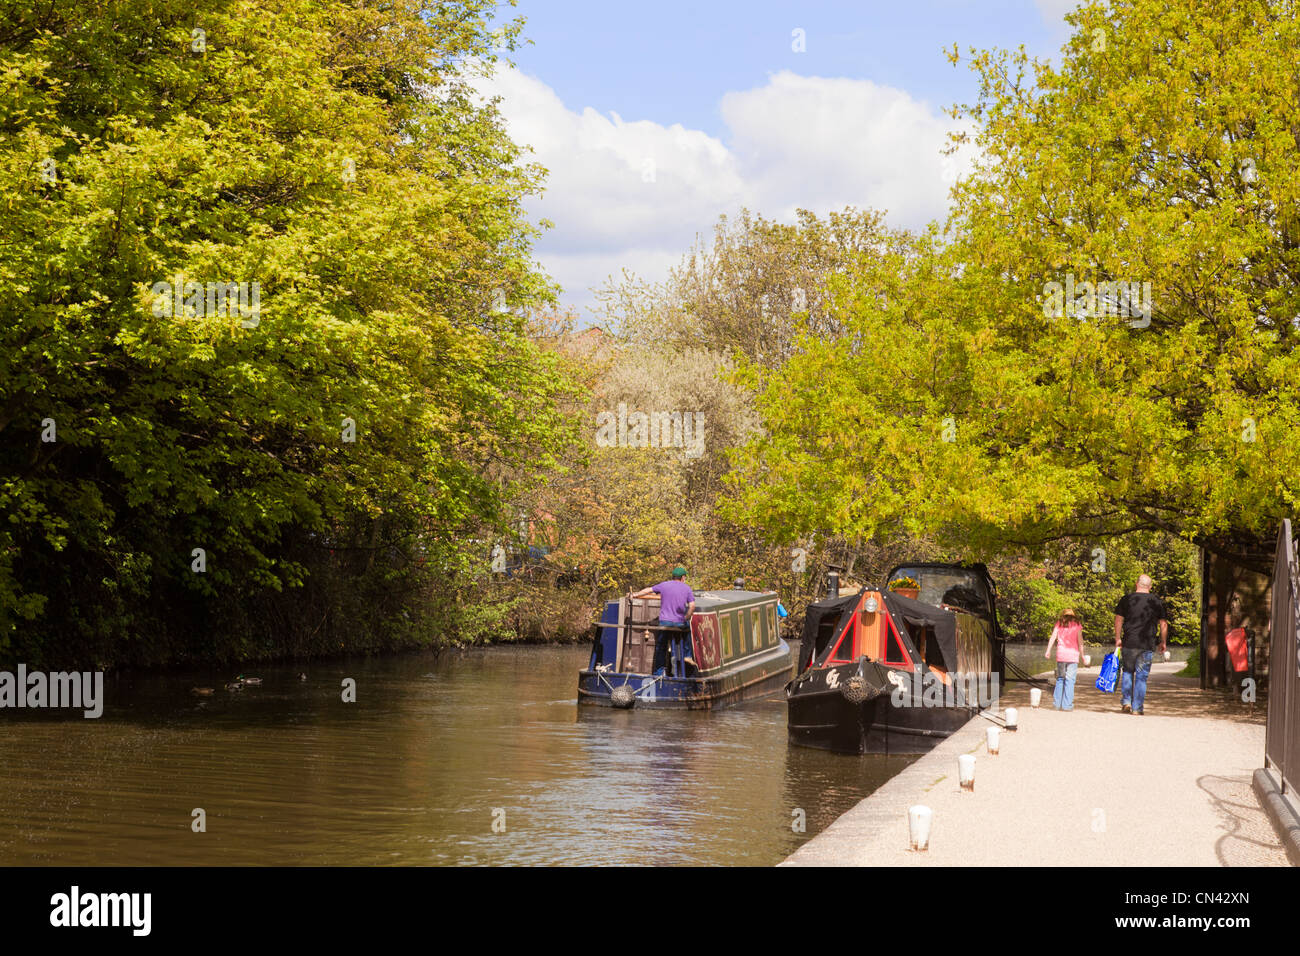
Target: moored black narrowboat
(736, 646)
(881, 672)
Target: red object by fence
(1236, 641)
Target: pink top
(1067, 642)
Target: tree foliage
(754, 289)
(965, 398)
(625, 515)
(332, 153)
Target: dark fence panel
(1281, 736)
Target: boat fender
(623, 696)
(854, 690)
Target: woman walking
(1067, 635)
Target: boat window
(931, 652)
(843, 652)
(895, 653)
(956, 587)
(724, 623)
(771, 624)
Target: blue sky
(672, 61)
(656, 118)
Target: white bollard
(1087, 660)
(918, 826)
(966, 771)
(1035, 696)
(1168, 655)
(1012, 716)
(993, 740)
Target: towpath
(1089, 787)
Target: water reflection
(433, 752)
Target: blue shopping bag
(1109, 675)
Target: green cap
(679, 572)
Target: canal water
(474, 757)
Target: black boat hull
(871, 727)
(889, 721)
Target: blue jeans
(1063, 692)
(679, 637)
(1133, 687)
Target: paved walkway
(1084, 788)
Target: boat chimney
(738, 584)
(833, 582)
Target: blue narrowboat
(735, 643)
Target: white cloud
(635, 194)
(822, 144)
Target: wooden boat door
(637, 647)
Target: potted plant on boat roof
(906, 586)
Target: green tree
(967, 398)
(736, 307)
(753, 289)
(334, 453)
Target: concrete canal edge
(838, 844)
(1280, 810)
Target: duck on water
(894, 671)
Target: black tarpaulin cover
(839, 610)
(917, 615)
(912, 615)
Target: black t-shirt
(1142, 614)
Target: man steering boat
(676, 605)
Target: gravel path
(1083, 788)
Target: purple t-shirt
(673, 598)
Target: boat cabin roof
(966, 586)
(713, 600)
(721, 600)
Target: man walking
(1138, 617)
(676, 605)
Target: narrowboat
(894, 671)
(736, 646)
